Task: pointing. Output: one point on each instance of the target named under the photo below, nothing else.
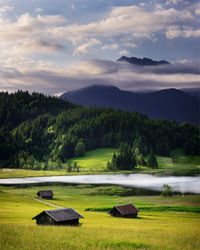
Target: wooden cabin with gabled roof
(45, 194)
(126, 211)
(62, 217)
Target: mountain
(142, 62)
(169, 103)
(193, 91)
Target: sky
(56, 46)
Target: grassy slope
(94, 162)
(152, 230)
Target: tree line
(128, 158)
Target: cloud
(26, 25)
(173, 2)
(87, 47)
(38, 10)
(28, 35)
(185, 67)
(123, 75)
(185, 32)
(5, 9)
(134, 24)
(110, 46)
(124, 52)
(130, 20)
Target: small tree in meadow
(167, 190)
(69, 167)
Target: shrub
(167, 190)
(80, 149)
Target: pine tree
(124, 160)
(152, 161)
(140, 160)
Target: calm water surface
(183, 184)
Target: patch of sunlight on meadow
(95, 160)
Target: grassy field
(98, 230)
(179, 163)
(94, 162)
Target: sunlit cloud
(185, 32)
(87, 47)
(124, 52)
(110, 46)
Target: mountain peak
(142, 61)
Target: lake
(182, 184)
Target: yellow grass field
(98, 230)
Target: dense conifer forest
(36, 129)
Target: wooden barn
(45, 194)
(126, 211)
(64, 216)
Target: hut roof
(62, 214)
(126, 209)
(45, 193)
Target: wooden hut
(126, 211)
(64, 216)
(45, 194)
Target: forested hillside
(37, 129)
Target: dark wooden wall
(45, 219)
(116, 213)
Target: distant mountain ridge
(142, 61)
(168, 103)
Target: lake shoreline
(61, 172)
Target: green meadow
(95, 161)
(155, 228)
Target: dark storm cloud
(51, 45)
(174, 68)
